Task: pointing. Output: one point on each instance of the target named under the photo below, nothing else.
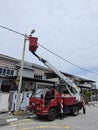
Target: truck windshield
(38, 93)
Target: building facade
(10, 69)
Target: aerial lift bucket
(33, 43)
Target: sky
(68, 28)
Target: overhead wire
(50, 51)
(12, 30)
(67, 60)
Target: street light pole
(21, 74)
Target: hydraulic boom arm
(61, 76)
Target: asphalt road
(88, 121)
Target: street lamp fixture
(33, 31)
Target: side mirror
(41, 95)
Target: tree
(88, 95)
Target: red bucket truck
(58, 100)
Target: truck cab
(42, 100)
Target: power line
(67, 60)
(12, 30)
(50, 51)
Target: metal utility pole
(21, 72)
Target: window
(12, 72)
(0, 70)
(36, 76)
(6, 71)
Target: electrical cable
(50, 51)
(67, 60)
(12, 30)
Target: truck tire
(51, 114)
(75, 111)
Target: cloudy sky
(69, 28)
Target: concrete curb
(6, 119)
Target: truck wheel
(75, 111)
(52, 115)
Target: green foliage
(88, 93)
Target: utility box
(33, 43)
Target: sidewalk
(93, 103)
(6, 118)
